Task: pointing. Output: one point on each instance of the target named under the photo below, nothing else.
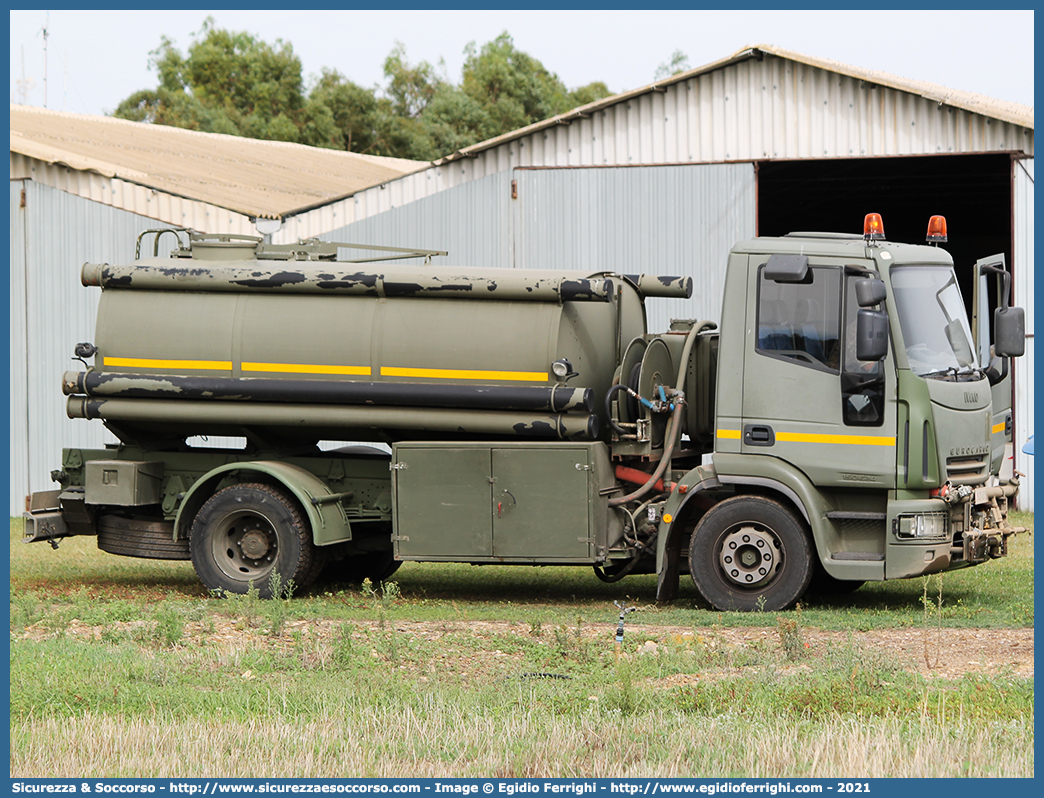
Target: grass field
(127, 668)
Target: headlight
(928, 526)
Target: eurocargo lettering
(845, 422)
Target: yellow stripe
(998, 428)
(153, 363)
(807, 437)
(849, 440)
(464, 374)
(307, 368)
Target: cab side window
(801, 321)
(862, 382)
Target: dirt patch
(932, 652)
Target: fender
(328, 520)
(781, 477)
(694, 483)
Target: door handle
(759, 435)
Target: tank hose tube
(671, 437)
(661, 405)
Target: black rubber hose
(616, 577)
(608, 407)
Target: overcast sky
(95, 59)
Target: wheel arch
(729, 476)
(327, 519)
(777, 479)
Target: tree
(228, 83)
(234, 83)
(341, 114)
(679, 63)
(502, 89)
(410, 88)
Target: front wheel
(245, 534)
(750, 553)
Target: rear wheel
(750, 553)
(246, 533)
(148, 538)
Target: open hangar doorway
(973, 192)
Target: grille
(967, 470)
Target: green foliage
(228, 83)
(234, 83)
(679, 63)
(170, 625)
(791, 639)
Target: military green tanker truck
(844, 423)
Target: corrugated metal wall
(1023, 268)
(774, 108)
(678, 220)
(158, 205)
(471, 222)
(752, 110)
(52, 236)
(656, 219)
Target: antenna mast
(48, 22)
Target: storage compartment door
(442, 503)
(541, 504)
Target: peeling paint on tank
(350, 282)
(276, 280)
(176, 272)
(538, 429)
(109, 279)
(401, 289)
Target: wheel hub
(749, 556)
(254, 544)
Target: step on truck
(844, 423)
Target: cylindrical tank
(334, 350)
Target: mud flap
(670, 569)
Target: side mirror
(997, 370)
(871, 335)
(869, 292)
(1009, 327)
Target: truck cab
(851, 395)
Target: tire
(145, 538)
(245, 533)
(750, 553)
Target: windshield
(934, 322)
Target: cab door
(806, 399)
(986, 297)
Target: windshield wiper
(956, 373)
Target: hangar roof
(1013, 113)
(266, 179)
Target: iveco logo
(971, 397)
(963, 451)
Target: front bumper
(977, 530)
